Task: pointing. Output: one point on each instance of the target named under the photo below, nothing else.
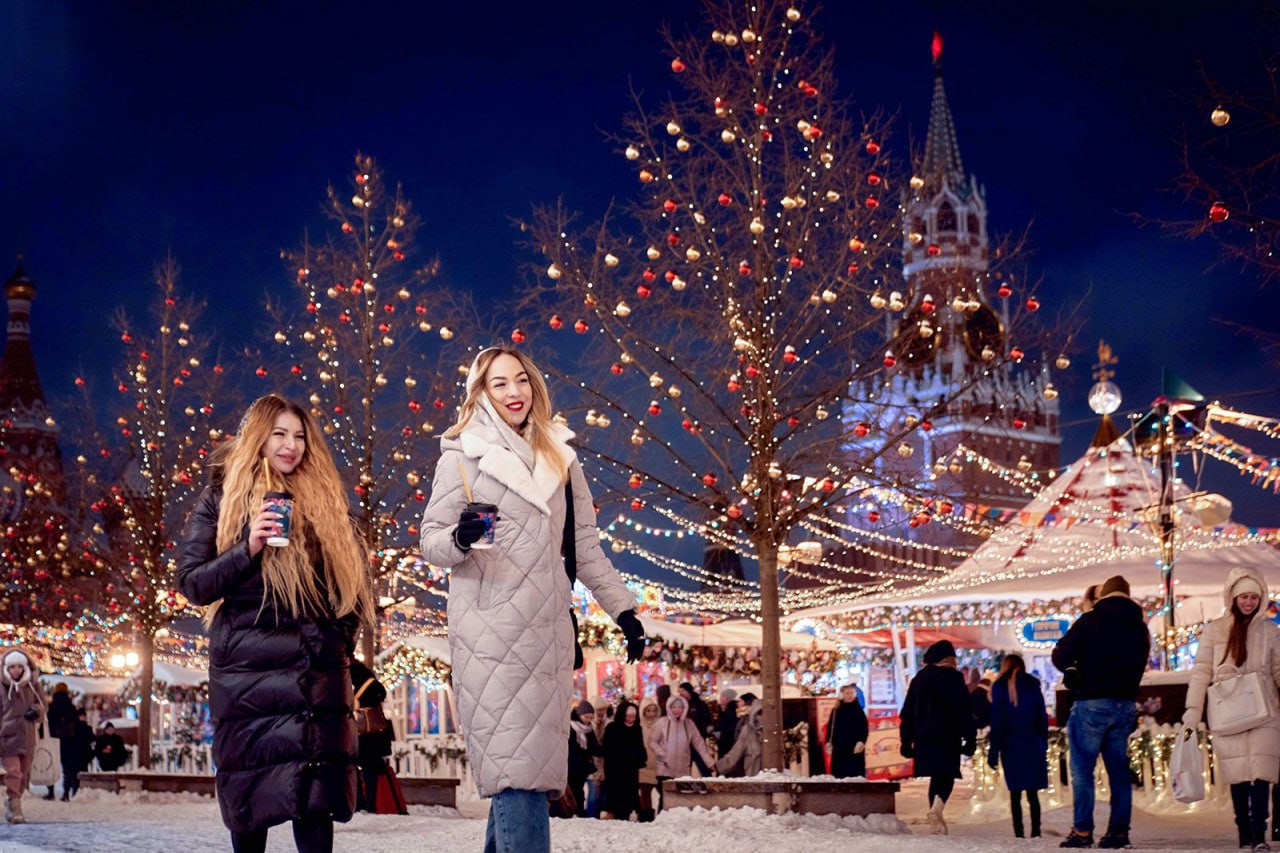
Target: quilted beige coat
(510, 636)
(1254, 754)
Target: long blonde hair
(321, 520)
(537, 428)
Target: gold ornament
(632, 153)
(682, 145)
(905, 450)
(1219, 116)
(673, 128)
(553, 272)
(610, 260)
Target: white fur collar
(485, 442)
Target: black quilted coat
(284, 739)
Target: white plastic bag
(1186, 768)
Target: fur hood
(1244, 573)
(12, 655)
(506, 457)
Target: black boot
(1015, 810)
(1033, 800)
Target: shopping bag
(1186, 768)
(389, 798)
(44, 761)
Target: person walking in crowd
(676, 740)
(700, 714)
(649, 717)
(746, 758)
(22, 708)
(510, 630)
(62, 725)
(1242, 641)
(83, 749)
(1108, 647)
(1019, 739)
(375, 737)
(937, 727)
(584, 749)
(282, 625)
(980, 702)
(110, 750)
(624, 755)
(726, 723)
(846, 739)
(662, 695)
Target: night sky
(210, 130)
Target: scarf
(581, 729)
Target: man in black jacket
(1109, 646)
(727, 723)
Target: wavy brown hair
(1238, 637)
(321, 517)
(537, 427)
(1010, 668)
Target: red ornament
(811, 91)
(358, 283)
(872, 202)
(708, 479)
(438, 403)
(793, 421)
(398, 255)
(766, 135)
(127, 338)
(636, 481)
(926, 305)
(933, 250)
(744, 268)
(346, 228)
(1019, 423)
(415, 406)
(388, 308)
(889, 359)
(1004, 291)
(669, 206)
(856, 245)
(687, 425)
(296, 370)
(814, 131)
(1033, 304)
(926, 425)
(339, 287)
(580, 327)
(262, 372)
(556, 323)
(615, 369)
(861, 428)
(725, 199)
(337, 410)
(517, 336)
(946, 507)
(670, 276)
(828, 485)
(874, 179)
(420, 309)
(637, 504)
(873, 147)
(734, 511)
(789, 355)
(796, 262)
(361, 178)
(643, 291)
(655, 408)
(673, 239)
(649, 275)
(761, 109)
(344, 317)
(677, 65)
(873, 516)
(851, 269)
(1016, 354)
(734, 386)
(79, 381)
(752, 371)
(1218, 212)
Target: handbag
(1186, 768)
(369, 720)
(1237, 704)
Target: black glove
(31, 714)
(469, 530)
(634, 632)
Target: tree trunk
(146, 657)
(770, 657)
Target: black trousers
(1250, 802)
(368, 793)
(940, 786)
(311, 835)
(1015, 810)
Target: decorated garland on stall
(408, 662)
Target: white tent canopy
(1094, 521)
(731, 632)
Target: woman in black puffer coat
(282, 624)
(937, 727)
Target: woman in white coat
(511, 638)
(1241, 641)
(674, 739)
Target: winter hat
(728, 694)
(16, 658)
(584, 707)
(939, 652)
(1245, 584)
(1114, 584)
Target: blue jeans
(1101, 726)
(519, 822)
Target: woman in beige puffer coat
(22, 708)
(1243, 640)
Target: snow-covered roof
(84, 685)
(731, 632)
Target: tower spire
(941, 151)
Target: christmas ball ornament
(829, 296)
(1032, 303)
(1062, 362)
(821, 413)
(1019, 422)
(622, 309)
(1016, 354)
(752, 371)
(652, 253)
(673, 129)
(635, 481)
(632, 153)
(445, 332)
(637, 438)
(731, 39)
(916, 182)
(1218, 212)
(878, 301)
(734, 511)
(933, 250)
(896, 302)
(748, 36)
(555, 322)
(591, 417)
(553, 272)
(927, 305)
(873, 147)
(958, 304)
(925, 328)
(648, 274)
(708, 479)
(677, 65)
(856, 245)
(774, 471)
(988, 353)
(873, 516)
(655, 408)
(733, 385)
(669, 206)
(761, 109)
(793, 422)
(615, 369)
(727, 135)
(1050, 392)
(682, 145)
(636, 504)
(789, 355)
(1104, 397)
(1024, 464)
(1219, 116)
(279, 336)
(692, 254)
(744, 269)
(655, 380)
(645, 176)
(261, 372)
(793, 14)
(915, 237)
(788, 203)
(756, 226)
(717, 36)
(678, 283)
(874, 179)
(603, 421)
(725, 199)
(673, 239)
(796, 262)
(831, 195)
(861, 428)
(910, 421)
(905, 450)
(610, 260)
(1004, 291)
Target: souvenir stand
(423, 710)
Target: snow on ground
(98, 822)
